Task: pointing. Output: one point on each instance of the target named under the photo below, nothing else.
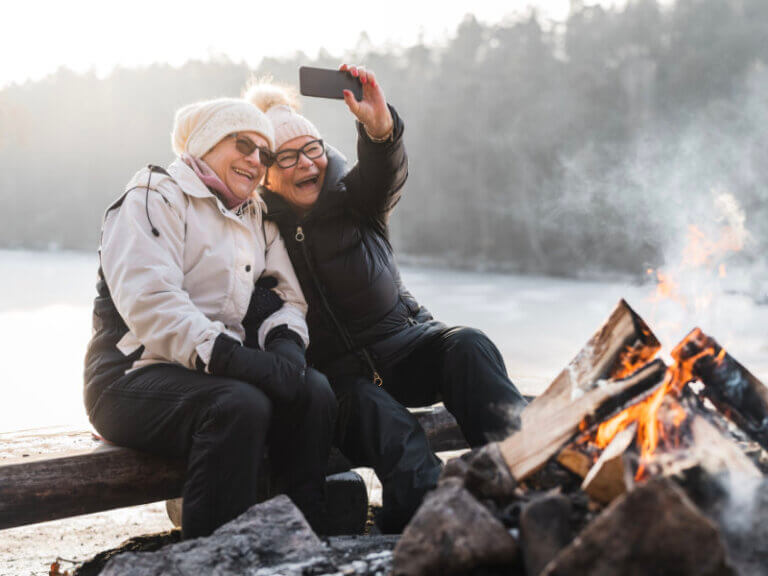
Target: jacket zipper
(300, 237)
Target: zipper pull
(299, 234)
(377, 379)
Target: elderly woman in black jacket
(381, 350)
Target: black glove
(264, 303)
(277, 377)
(284, 342)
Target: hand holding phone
(372, 112)
(359, 89)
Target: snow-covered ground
(538, 323)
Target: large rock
(653, 530)
(739, 505)
(270, 533)
(484, 472)
(545, 529)
(452, 533)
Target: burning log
(575, 460)
(623, 343)
(734, 390)
(611, 477)
(530, 448)
(716, 453)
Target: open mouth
(243, 173)
(307, 182)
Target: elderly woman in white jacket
(169, 369)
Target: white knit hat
(280, 107)
(200, 126)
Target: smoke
(686, 185)
(741, 518)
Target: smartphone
(327, 83)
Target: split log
(715, 453)
(654, 529)
(55, 473)
(611, 477)
(733, 389)
(553, 417)
(624, 331)
(538, 440)
(575, 460)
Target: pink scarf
(212, 180)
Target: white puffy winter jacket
(178, 290)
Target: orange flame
(700, 252)
(651, 429)
(632, 358)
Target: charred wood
(733, 389)
(528, 449)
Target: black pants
(221, 427)
(460, 367)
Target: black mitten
(264, 303)
(284, 342)
(278, 378)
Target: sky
(39, 36)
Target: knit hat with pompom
(280, 105)
(200, 126)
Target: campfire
(609, 469)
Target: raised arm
(375, 183)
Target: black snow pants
(460, 367)
(221, 427)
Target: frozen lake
(538, 323)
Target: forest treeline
(582, 148)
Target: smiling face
(300, 184)
(240, 173)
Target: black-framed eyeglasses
(312, 149)
(246, 147)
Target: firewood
(554, 416)
(596, 361)
(610, 476)
(575, 460)
(716, 453)
(734, 390)
(537, 441)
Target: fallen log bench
(47, 474)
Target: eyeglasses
(312, 149)
(246, 147)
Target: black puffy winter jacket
(361, 316)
